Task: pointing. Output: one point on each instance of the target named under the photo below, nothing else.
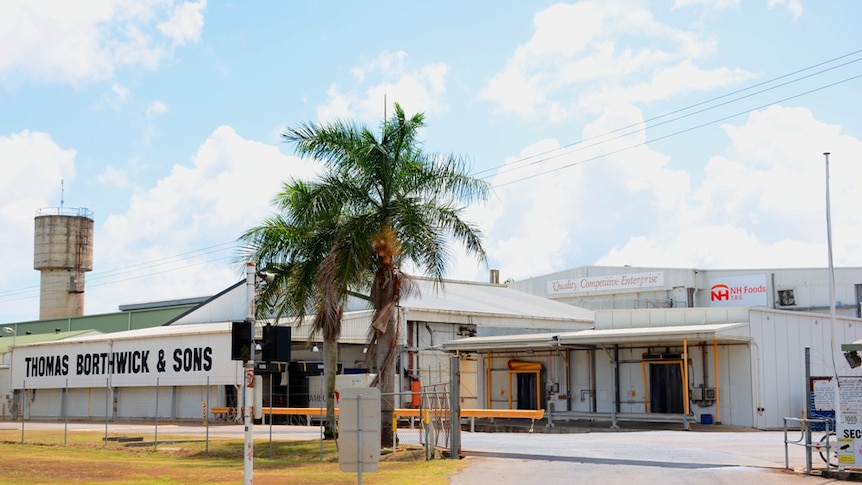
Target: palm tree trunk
(386, 347)
(330, 369)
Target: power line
(692, 128)
(163, 261)
(644, 125)
(120, 275)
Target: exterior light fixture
(13, 332)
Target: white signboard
(849, 429)
(851, 394)
(359, 429)
(748, 290)
(617, 282)
(174, 360)
(849, 442)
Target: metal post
(426, 424)
(270, 416)
(455, 407)
(207, 418)
(65, 405)
(359, 439)
(807, 416)
(248, 417)
(614, 384)
(322, 378)
(836, 383)
(23, 407)
(107, 396)
(156, 437)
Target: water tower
(63, 252)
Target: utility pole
(248, 416)
(839, 422)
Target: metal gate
(436, 417)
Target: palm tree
(302, 257)
(386, 203)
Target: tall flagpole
(837, 384)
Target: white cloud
(225, 189)
(34, 167)
(587, 192)
(762, 204)
(30, 156)
(338, 105)
(114, 177)
(115, 99)
(586, 55)
(185, 24)
(156, 108)
(794, 6)
(69, 42)
(667, 83)
(716, 4)
(716, 247)
(389, 78)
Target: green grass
(86, 458)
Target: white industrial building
(721, 346)
(183, 368)
(615, 287)
(743, 366)
(593, 342)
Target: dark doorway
(527, 391)
(665, 388)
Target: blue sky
(683, 133)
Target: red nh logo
(719, 292)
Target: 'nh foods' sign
(749, 290)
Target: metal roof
(458, 302)
(7, 340)
(490, 305)
(722, 332)
(149, 332)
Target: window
(786, 298)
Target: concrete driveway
(713, 455)
(632, 457)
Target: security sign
(849, 441)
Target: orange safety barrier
(280, 411)
(405, 412)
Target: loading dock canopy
(718, 332)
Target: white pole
(837, 384)
(359, 439)
(248, 417)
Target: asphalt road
(609, 457)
